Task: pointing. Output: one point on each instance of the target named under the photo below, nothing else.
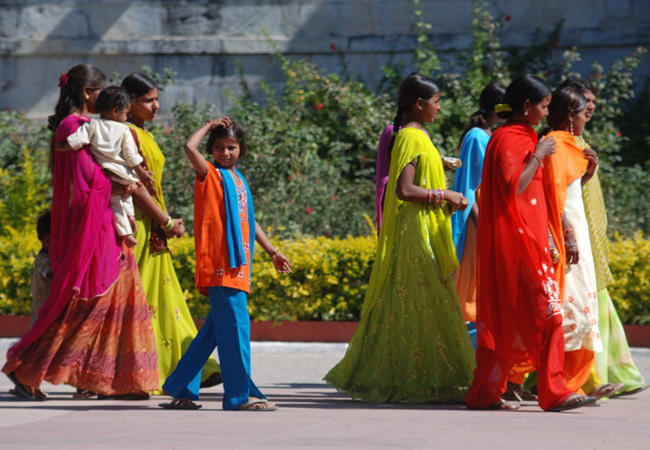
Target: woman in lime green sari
(173, 324)
(411, 344)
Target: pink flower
(332, 46)
(618, 133)
(309, 210)
(319, 106)
(335, 197)
(507, 18)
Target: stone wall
(202, 41)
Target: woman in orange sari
(518, 311)
(563, 175)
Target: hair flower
(503, 107)
(63, 79)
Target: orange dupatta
(560, 169)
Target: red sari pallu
(519, 319)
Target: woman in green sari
(173, 324)
(411, 344)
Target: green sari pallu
(614, 364)
(411, 344)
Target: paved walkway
(312, 415)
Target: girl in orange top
(225, 232)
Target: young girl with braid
(411, 344)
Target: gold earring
(87, 97)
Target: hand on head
(223, 122)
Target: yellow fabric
(411, 344)
(592, 195)
(172, 321)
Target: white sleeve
(130, 150)
(81, 137)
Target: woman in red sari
(518, 317)
(94, 331)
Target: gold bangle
(537, 158)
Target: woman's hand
(592, 163)
(281, 263)
(220, 122)
(177, 230)
(544, 148)
(456, 200)
(572, 255)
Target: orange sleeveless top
(212, 259)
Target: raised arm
(197, 160)
(544, 148)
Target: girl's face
(580, 118)
(537, 111)
(430, 108)
(225, 151)
(145, 107)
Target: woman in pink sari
(94, 331)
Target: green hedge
(328, 282)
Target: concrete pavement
(312, 415)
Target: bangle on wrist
(274, 252)
(539, 160)
(169, 225)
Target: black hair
(524, 87)
(111, 98)
(578, 83)
(491, 95)
(564, 101)
(44, 225)
(137, 84)
(71, 95)
(415, 86)
(234, 130)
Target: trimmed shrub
(328, 282)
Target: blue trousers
(227, 327)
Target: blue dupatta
(236, 252)
(467, 181)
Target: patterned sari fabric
(518, 312)
(172, 321)
(614, 364)
(93, 331)
(563, 189)
(562, 186)
(411, 344)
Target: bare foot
(129, 240)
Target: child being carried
(115, 150)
